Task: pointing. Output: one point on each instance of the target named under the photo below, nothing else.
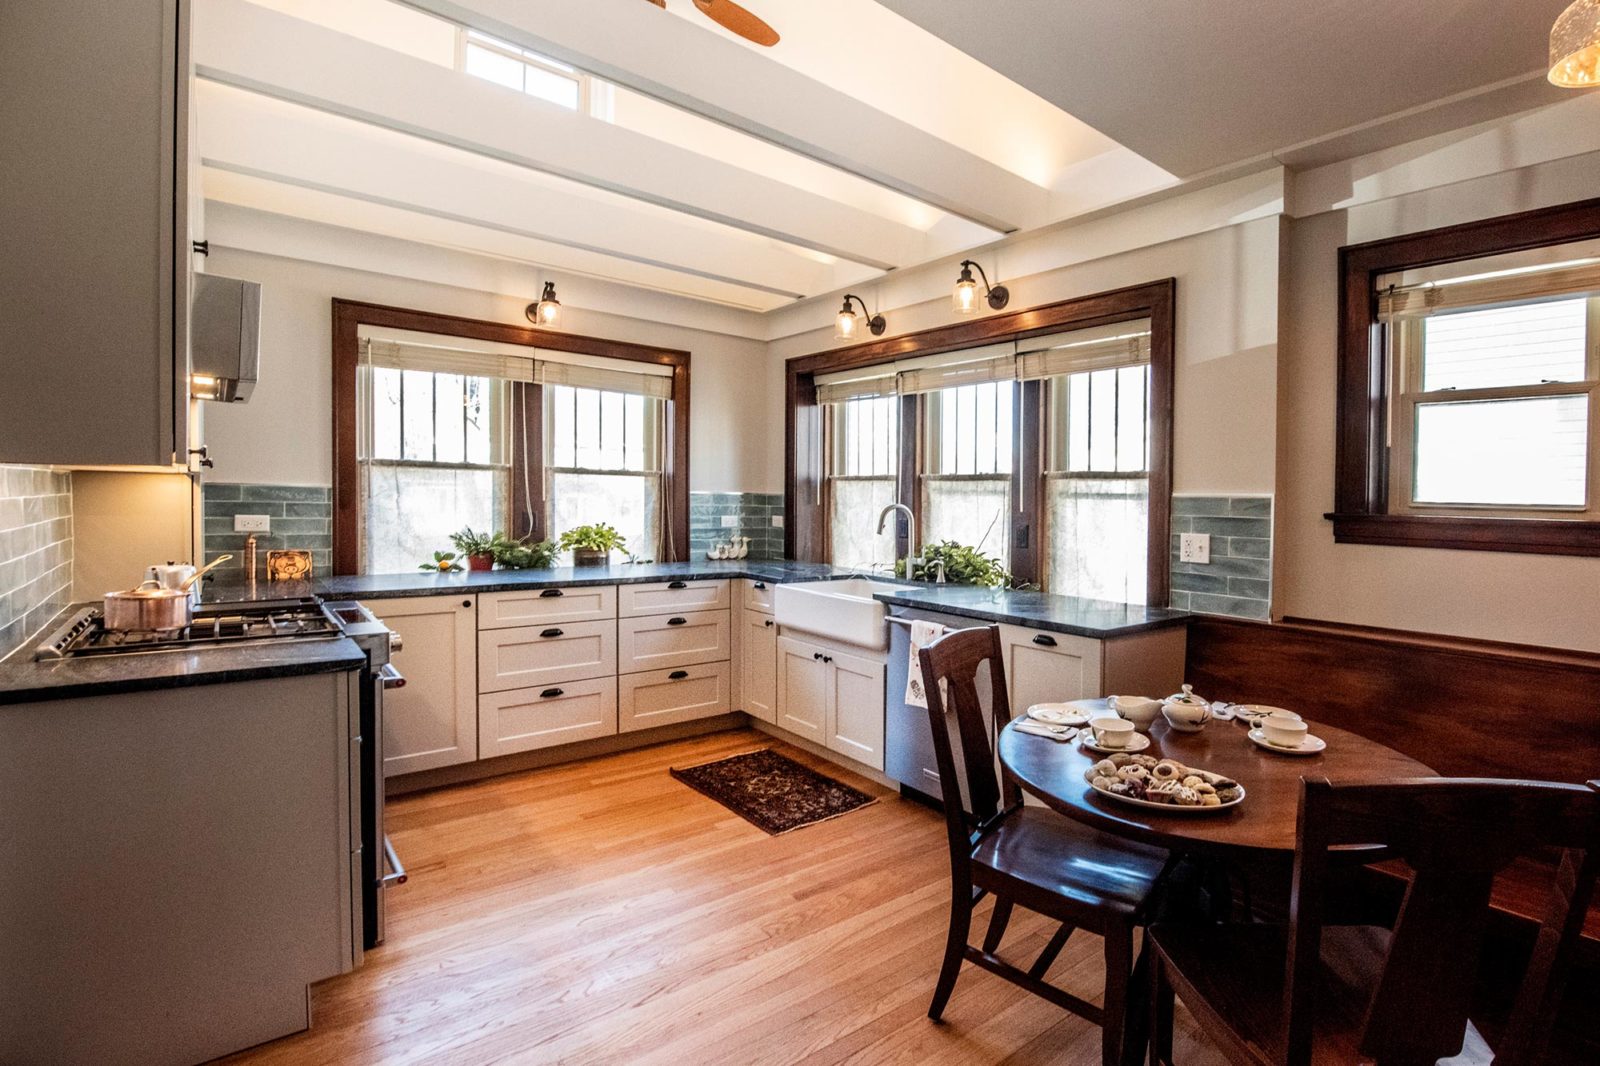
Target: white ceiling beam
(249, 46)
(251, 134)
(401, 256)
(655, 52)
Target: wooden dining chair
(1310, 992)
(1024, 855)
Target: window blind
(1525, 285)
(441, 359)
(1059, 354)
(636, 383)
(866, 383)
(442, 354)
(949, 370)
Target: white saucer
(1058, 713)
(1137, 743)
(1309, 746)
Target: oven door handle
(392, 861)
(391, 677)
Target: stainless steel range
(243, 624)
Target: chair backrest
(952, 672)
(1455, 834)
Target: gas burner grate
(85, 633)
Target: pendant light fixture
(965, 299)
(1575, 46)
(847, 325)
(547, 312)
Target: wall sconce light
(965, 300)
(1575, 46)
(547, 312)
(847, 324)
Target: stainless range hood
(224, 338)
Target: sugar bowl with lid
(1185, 711)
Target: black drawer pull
(551, 633)
(761, 586)
(827, 658)
(816, 656)
(768, 623)
(1044, 641)
(677, 584)
(677, 675)
(677, 621)
(550, 693)
(550, 594)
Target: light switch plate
(1194, 547)
(730, 521)
(252, 523)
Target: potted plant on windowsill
(524, 554)
(477, 547)
(962, 565)
(592, 545)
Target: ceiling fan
(734, 18)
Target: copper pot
(152, 607)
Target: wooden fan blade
(658, 3)
(730, 16)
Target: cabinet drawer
(531, 718)
(540, 607)
(662, 697)
(758, 595)
(659, 641)
(539, 656)
(671, 597)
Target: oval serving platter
(1173, 808)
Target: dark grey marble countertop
(22, 680)
(1036, 610)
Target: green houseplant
(524, 554)
(963, 565)
(477, 547)
(442, 562)
(592, 545)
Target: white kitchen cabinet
(542, 607)
(832, 698)
(663, 697)
(536, 656)
(758, 665)
(95, 285)
(432, 720)
(1044, 667)
(671, 597)
(531, 718)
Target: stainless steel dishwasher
(908, 735)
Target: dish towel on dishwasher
(922, 634)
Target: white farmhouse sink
(841, 610)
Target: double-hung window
(1096, 458)
(863, 468)
(1494, 386)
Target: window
(966, 479)
(520, 69)
(437, 461)
(1469, 386)
(863, 479)
(605, 463)
(1097, 461)
(444, 422)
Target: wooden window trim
(1361, 513)
(350, 315)
(805, 511)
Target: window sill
(1538, 536)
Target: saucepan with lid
(152, 607)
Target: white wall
(1534, 599)
(284, 434)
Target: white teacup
(1140, 710)
(1112, 732)
(1284, 729)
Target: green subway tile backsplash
(1238, 579)
(752, 513)
(301, 517)
(36, 550)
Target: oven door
(381, 867)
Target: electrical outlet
(1194, 548)
(252, 523)
(777, 521)
(730, 521)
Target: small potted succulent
(524, 554)
(477, 547)
(592, 545)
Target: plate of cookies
(1165, 784)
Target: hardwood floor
(601, 912)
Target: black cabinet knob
(551, 633)
(550, 594)
(827, 658)
(816, 656)
(768, 623)
(1044, 641)
(677, 675)
(466, 603)
(677, 621)
(550, 693)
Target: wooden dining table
(1264, 823)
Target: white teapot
(1186, 712)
